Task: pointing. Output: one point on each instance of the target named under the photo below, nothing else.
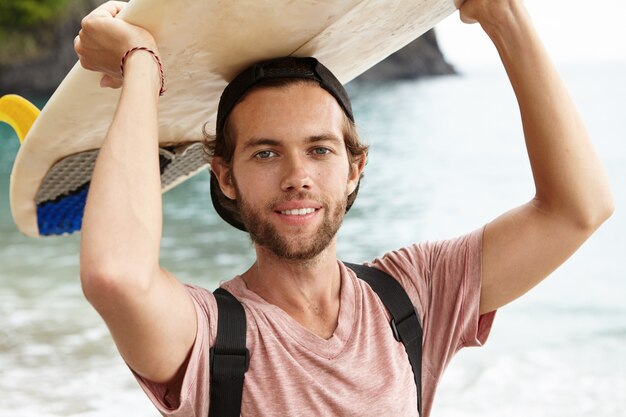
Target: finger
(84, 63)
(110, 82)
(108, 9)
(105, 81)
(119, 6)
(468, 20)
(113, 7)
(465, 18)
(116, 83)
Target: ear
(356, 169)
(223, 173)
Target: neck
(301, 288)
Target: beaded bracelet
(156, 58)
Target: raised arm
(149, 313)
(524, 245)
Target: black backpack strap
(405, 323)
(229, 358)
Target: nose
(296, 175)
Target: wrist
(148, 61)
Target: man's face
(290, 171)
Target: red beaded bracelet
(156, 58)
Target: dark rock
(422, 57)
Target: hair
(222, 144)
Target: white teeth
(298, 212)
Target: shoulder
(424, 265)
(203, 298)
(421, 259)
(207, 310)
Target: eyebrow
(325, 137)
(254, 142)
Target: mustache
(297, 195)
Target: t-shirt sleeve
(443, 279)
(194, 394)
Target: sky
(572, 30)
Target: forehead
(297, 110)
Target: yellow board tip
(19, 113)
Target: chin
(296, 248)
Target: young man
(319, 338)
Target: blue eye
(264, 154)
(321, 151)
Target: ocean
(447, 156)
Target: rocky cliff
(39, 75)
(420, 58)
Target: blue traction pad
(64, 214)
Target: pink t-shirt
(361, 370)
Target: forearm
(122, 223)
(569, 178)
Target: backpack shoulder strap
(229, 357)
(405, 323)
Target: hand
(486, 11)
(103, 40)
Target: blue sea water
(447, 156)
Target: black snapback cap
(307, 68)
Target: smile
(298, 212)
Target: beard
(296, 246)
